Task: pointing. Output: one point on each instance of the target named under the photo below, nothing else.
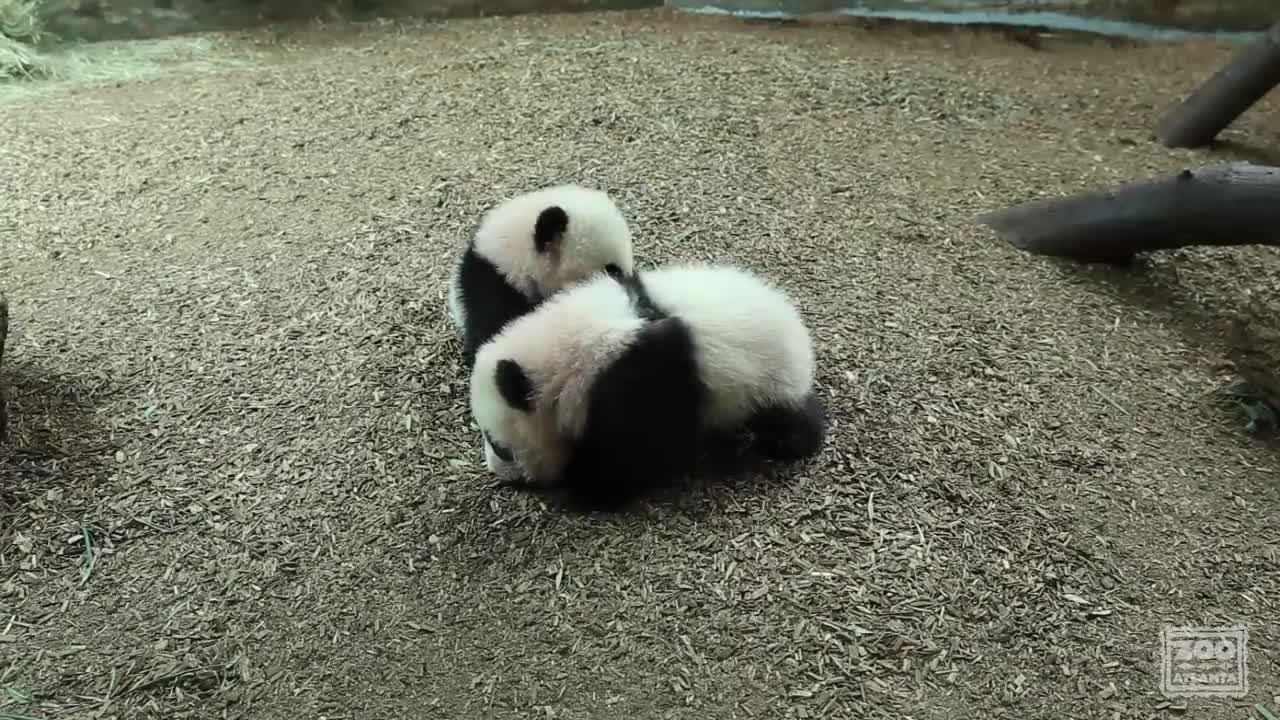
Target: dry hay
(18, 60)
(27, 71)
(70, 66)
(244, 483)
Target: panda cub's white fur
(752, 345)
(602, 384)
(457, 315)
(529, 247)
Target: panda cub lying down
(609, 387)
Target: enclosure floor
(234, 379)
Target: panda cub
(610, 387)
(529, 247)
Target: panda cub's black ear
(549, 227)
(514, 385)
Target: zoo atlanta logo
(1204, 661)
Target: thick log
(1223, 97)
(1222, 205)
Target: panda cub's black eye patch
(613, 270)
(501, 451)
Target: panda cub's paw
(790, 433)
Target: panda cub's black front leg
(790, 432)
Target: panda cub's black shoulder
(643, 302)
(644, 418)
(490, 302)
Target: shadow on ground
(548, 528)
(727, 471)
(1230, 322)
(55, 438)
(1229, 150)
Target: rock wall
(97, 20)
(94, 20)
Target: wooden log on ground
(1223, 97)
(1222, 205)
(4, 387)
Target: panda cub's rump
(609, 388)
(753, 350)
(529, 247)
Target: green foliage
(19, 20)
(19, 30)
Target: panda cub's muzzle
(503, 453)
(502, 463)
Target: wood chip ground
(243, 483)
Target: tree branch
(1223, 97)
(1224, 205)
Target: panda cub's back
(752, 344)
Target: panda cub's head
(576, 232)
(531, 383)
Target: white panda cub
(529, 247)
(610, 387)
